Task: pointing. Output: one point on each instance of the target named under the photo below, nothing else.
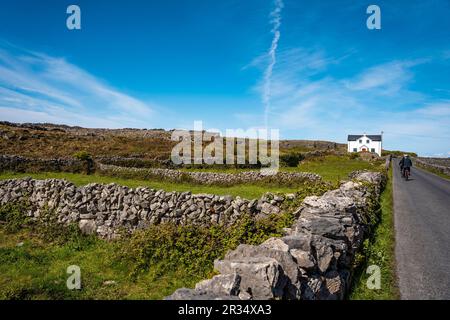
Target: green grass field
(331, 168)
(335, 168)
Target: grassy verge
(248, 191)
(379, 250)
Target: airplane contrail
(276, 23)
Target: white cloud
(39, 87)
(390, 77)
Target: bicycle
(406, 173)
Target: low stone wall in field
(138, 161)
(439, 164)
(315, 258)
(23, 164)
(104, 209)
(208, 178)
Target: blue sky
(309, 68)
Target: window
(355, 150)
(360, 141)
(368, 141)
(372, 150)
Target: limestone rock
(304, 259)
(87, 226)
(223, 284)
(192, 294)
(261, 277)
(283, 258)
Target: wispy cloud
(389, 77)
(37, 87)
(440, 109)
(308, 101)
(276, 23)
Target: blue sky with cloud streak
(166, 64)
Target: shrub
(307, 189)
(48, 229)
(82, 155)
(87, 158)
(193, 249)
(354, 155)
(291, 159)
(398, 153)
(13, 216)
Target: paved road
(422, 223)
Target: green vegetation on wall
(149, 264)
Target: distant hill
(46, 140)
(311, 145)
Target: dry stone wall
(104, 209)
(216, 178)
(442, 165)
(312, 262)
(23, 164)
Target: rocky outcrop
(313, 261)
(103, 209)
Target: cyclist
(405, 164)
(401, 163)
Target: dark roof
(373, 137)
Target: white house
(365, 143)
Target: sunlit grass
(380, 252)
(334, 168)
(36, 270)
(331, 168)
